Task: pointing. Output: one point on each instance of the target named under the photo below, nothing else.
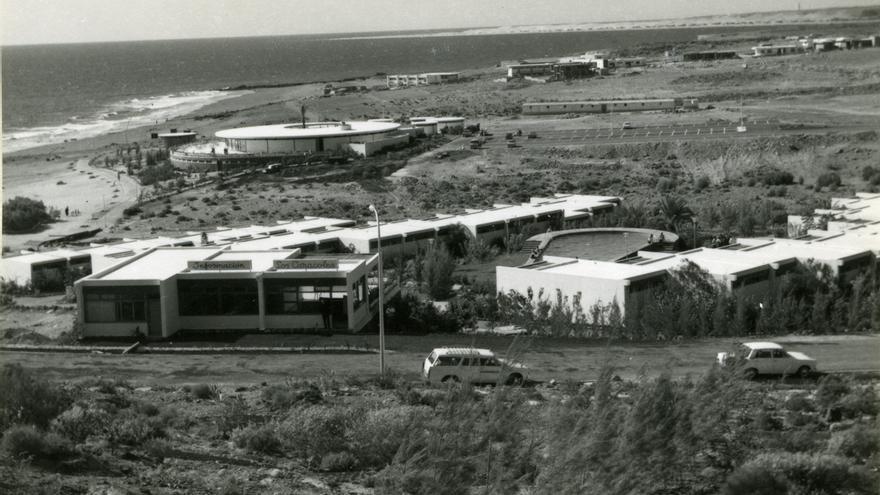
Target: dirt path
(548, 358)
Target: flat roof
(311, 130)
(595, 269)
(159, 264)
(804, 249)
(165, 262)
(178, 134)
(718, 262)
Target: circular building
(363, 138)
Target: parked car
(768, 358)
(272, 168)
(532, 135)
(627, 125)
(511, 143)
(470, 365)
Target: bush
(24, 214)
(754, 480)
(132, 211)
(778, 178)
(129, 428)
(26, 399)
(828, 179)
(702, 182)
(338, 462)
(79, 423)
(27, 441)
(262, 439)
(315, 431)
(203, 391)
(808, 473)
(377, 436)
(279, 397)
(859, 443)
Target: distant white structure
(364, 138)
(404, 80)
(769, 50)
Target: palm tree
(673, 210)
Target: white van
(470, 365)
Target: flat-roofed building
(590, 283)
(203, 289)
(742, 272)
(769, 50)
(845, 262)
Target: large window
(303, 296)
(118, 304)
(208, 297)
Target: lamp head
(372, 208)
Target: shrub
(23, 214)
(828, 179)
(132, 211)
(859, 443)
(78, 423)
(702, 182)
(132, 429)
(203, 391)
(235, 415)
(27, 441)
(338, 462)
(754, 480)
(27, 399)
(811, 473)
(778, 178)
(868, 172)
(262, 439)
(279, 397)
(315, 431)
(377, 436)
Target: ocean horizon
(53, 93)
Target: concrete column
(261, 302)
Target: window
(122, 304)
(359, 289)
(779, 353)
(763, 354)
(488, 362)
(209, 297)
(293, 296)
(450, 361)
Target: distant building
(709, 55)
(172, 139)
(607, 106)
(403, 80)
(768, 50)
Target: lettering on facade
(306, 264)
(219, 265)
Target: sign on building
(306, 264)
(219, 265)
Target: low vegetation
(25, 214)
(714, 433)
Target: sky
(75, 21)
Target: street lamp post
(381, 294)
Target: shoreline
(578, 28)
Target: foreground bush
(27, 441)
(25, 398)
(804, 474)
(262, 439)
(24, 214)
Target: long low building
(206, 289)
(315, 234)
(607, 106)
(748, 267)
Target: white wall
(592, 290)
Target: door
(489, 370)
(154, 317)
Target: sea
(55, 93)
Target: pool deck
(603, 244)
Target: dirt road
(559, 359)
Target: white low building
(207, 289)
